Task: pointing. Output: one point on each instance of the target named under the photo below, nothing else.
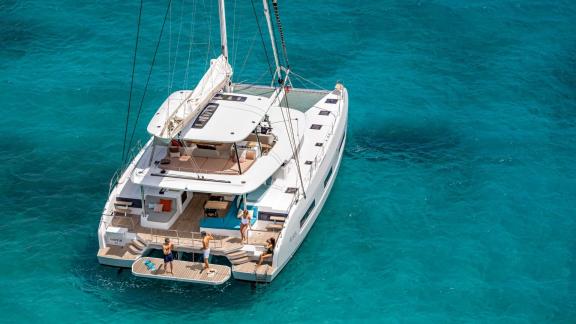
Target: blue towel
(150, 265)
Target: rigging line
(280, 31)
(150, 73)
(309, 81)
(262, 39)
(209, 36)
(273, 100)
(248, 54)
(297, 157)
(177, 46)
(132, 81)
(169, 52)
(234, 39)
(192, 31)
(292, 141)
(244, 82)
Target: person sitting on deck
(206, 248)
(245, 225)
(270, 244)
(168, 256)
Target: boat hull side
(293, 235)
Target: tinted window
(307, 213)
(342, 141)
(328, 176)
(136, 203)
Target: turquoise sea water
(454, 203)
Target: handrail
(120, 171)
(195, 236)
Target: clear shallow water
(454, 203)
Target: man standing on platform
(206, 249)
(167, 248)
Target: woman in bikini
(270, 244)
(245, 225)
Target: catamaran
(219, 151)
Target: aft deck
(182, 271)
(185, 234)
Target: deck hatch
(291, 190)
(227, 97)
(316, 126)
(319, 144)
(331, 101)
(324, 112)
(205, 115)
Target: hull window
(328, 176)
(342, 141)
(307, 213)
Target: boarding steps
(278, 223)
(238, 257)
(136, 246)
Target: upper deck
(213, 166)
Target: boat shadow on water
(422, 144)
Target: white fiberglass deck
(232, 121)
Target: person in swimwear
(206, 248)
(245, 225)
(168, 256)
(270, 244)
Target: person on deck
(206, 248)
(168, 256)
(270, 244)
(245, 225)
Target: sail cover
(183, 106)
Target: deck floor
(207, 165)
(183, 271)
(117, 252)
(184, 232)
(250, 267)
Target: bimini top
(227, 118)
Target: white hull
(319, 178)
(293, 235)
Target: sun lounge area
(218, 158)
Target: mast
(223, 36)
(273, 41)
